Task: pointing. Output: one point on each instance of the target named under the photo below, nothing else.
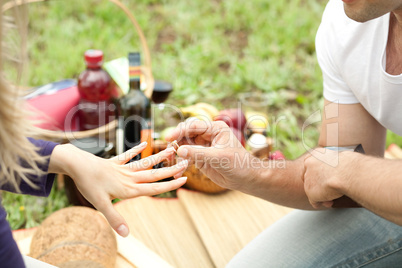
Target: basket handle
(146, 68)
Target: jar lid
(91, 145)
(93, 56)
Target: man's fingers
(115, 220)
(315, 205)
(328, 204)
(195, 153)
(177, 133)
(189, 129)
(128, 155)
(320, 205)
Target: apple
(235, 118)
(277, 155)
(239, 135)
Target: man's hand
(216, 151)
(101, 180)
(323, 176)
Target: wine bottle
(135, 111)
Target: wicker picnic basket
(107, 130)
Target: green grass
(26, 211)
(210, 50)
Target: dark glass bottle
(96, 91)
(135, 111)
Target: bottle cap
(93, 57)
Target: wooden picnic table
(192, 230)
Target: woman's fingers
(152, 160)
(113, 217)
(159, 187)
(153, 175)
(128, 155)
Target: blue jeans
(352, 237)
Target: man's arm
(275, 181)
(373, 182)
(342, 125)
(351, 124)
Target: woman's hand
(101, 180)
(216, 151)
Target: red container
(97, 92)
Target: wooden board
(228, 221)
(193, 230)
(165, 227)
(23, 238)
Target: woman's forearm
(62, 157)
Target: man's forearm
(280, 182)
(374, 183)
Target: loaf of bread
(75, 237)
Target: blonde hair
(19, 159)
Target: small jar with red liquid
(97, 93)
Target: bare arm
(351, 124)
(342, 125)
(281, 182)
(101, 180)
(372, 181)
(375, 183)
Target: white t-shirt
(352, 59)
